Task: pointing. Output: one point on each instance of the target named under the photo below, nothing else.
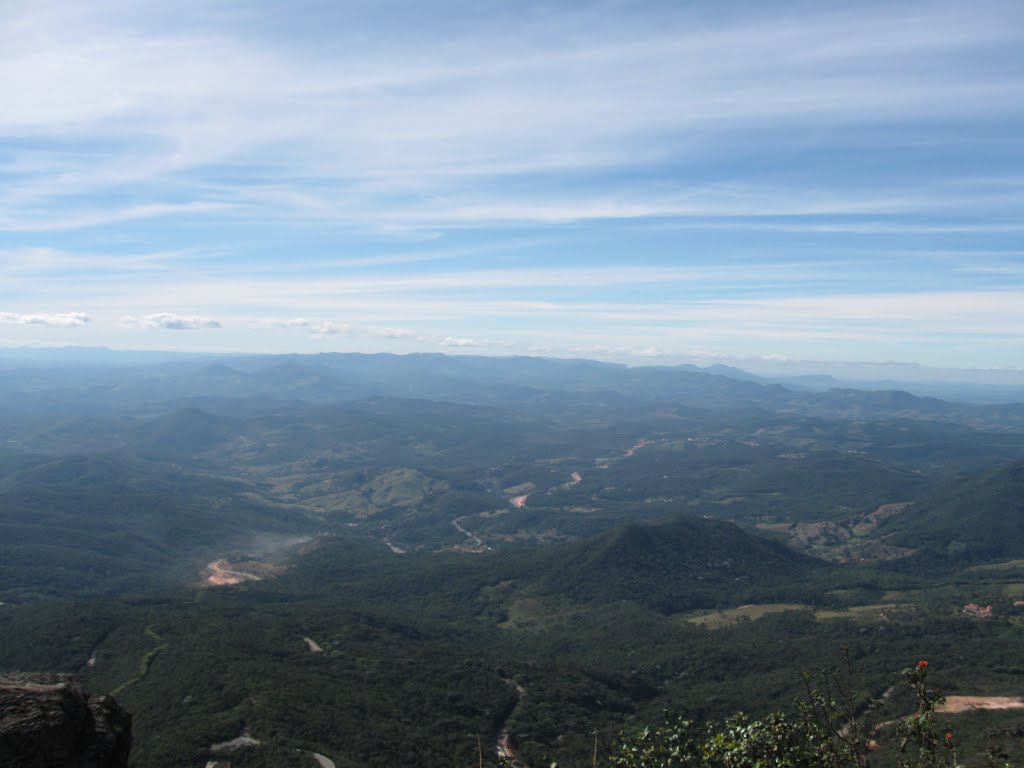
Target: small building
(982, 612)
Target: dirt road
(245, 740)
(506, 751)
(643, 441)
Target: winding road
(474, 540)
(506, 751)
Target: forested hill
(85, 524)
(669, 565)
(674, 565)
(972, 520)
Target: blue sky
(645, 182)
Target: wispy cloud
(636, 179)
(36, 221)
(209, 114)
(42, 260)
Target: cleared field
(1014, 589)
(871, 521)
(1008, 565)
(901, 595)
(728, 617)
(402, 488)
(528, 611)
(865, 613)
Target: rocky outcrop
(49, 721)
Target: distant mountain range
(992, 386)
(505, 382)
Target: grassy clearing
(846, 595)
(556, 461)
(402, 488)
(901, 595)
(1008, 565)
(720, 619)
(527, 611)
(864, 613)
(519, 490)
(1014, 589)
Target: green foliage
(676, 744)
(825, 732)
(926, 743)
(773, 741)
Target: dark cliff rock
(49, 721)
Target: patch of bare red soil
(222, 573)
(956, 704)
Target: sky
(645, 182)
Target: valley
(317, 567)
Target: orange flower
(922, 664)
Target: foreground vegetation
(832, 727)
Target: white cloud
(327, 329)
(55, 320)
(453, 341)
(282, 322)
(168, 321)
(388, 333)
